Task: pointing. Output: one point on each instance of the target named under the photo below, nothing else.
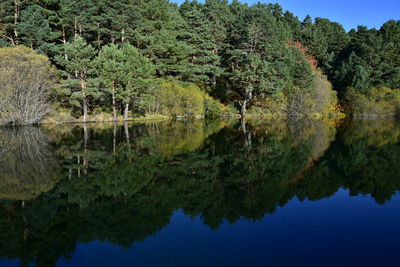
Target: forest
(97, 60)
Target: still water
(204, 193)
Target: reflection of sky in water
(338, 230)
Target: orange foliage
(310, 58)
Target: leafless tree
(25, 82)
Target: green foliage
(204, 61)
(371, 60)
(34, 27)
(79, 66)
(240, 54)
(125, 73)
(159, 35)
(378, 101)
(179, 100)
(213, 108)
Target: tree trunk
(64, 40)
(214, 81)
(98, 37)
(247, 98)
(84, 102)
(114, 108)
(244, 109)
(75, 29)
(126, 112)
(16, 14)
(84, 109)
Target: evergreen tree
(203, 65)
(111, 70)
(34, 28)
(159, 36)
(79, 69)
(125, 72)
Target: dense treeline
(117, 57)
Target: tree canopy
(245, 56)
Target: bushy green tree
(34, 28)
(79, 66)
(159, 36)
(126, 73)
(204, 62)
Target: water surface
(205, 193)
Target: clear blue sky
(350, 13)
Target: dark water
(303, 193)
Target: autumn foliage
(310, 58)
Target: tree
(126, 71)
(26, 81)
(159, 36)
(204, 61)
(249, 77)
(139, 76)
(78, 67)
(111, 70)
(34, 28)
(10, 12)
(257, 54)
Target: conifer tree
(204, 62)
(125, 72)
(34, 28)
(79, 69)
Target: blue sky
(350, 13)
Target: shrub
(25, 82)
(179, 100)
(320, 99)
(378, 101)
(212, 107)
(271, 106)
(173, 98)
(300, 102)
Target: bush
(271, 106)
(179, 100)
(25, 82)
(379, 101)
(319, 100)
(212, 107)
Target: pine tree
(203, 65)
(159, 36)
(79, 69)
(125, 72)
(34, 28)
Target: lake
(203, 193)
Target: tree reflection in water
(122, 183)
(28, 166)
